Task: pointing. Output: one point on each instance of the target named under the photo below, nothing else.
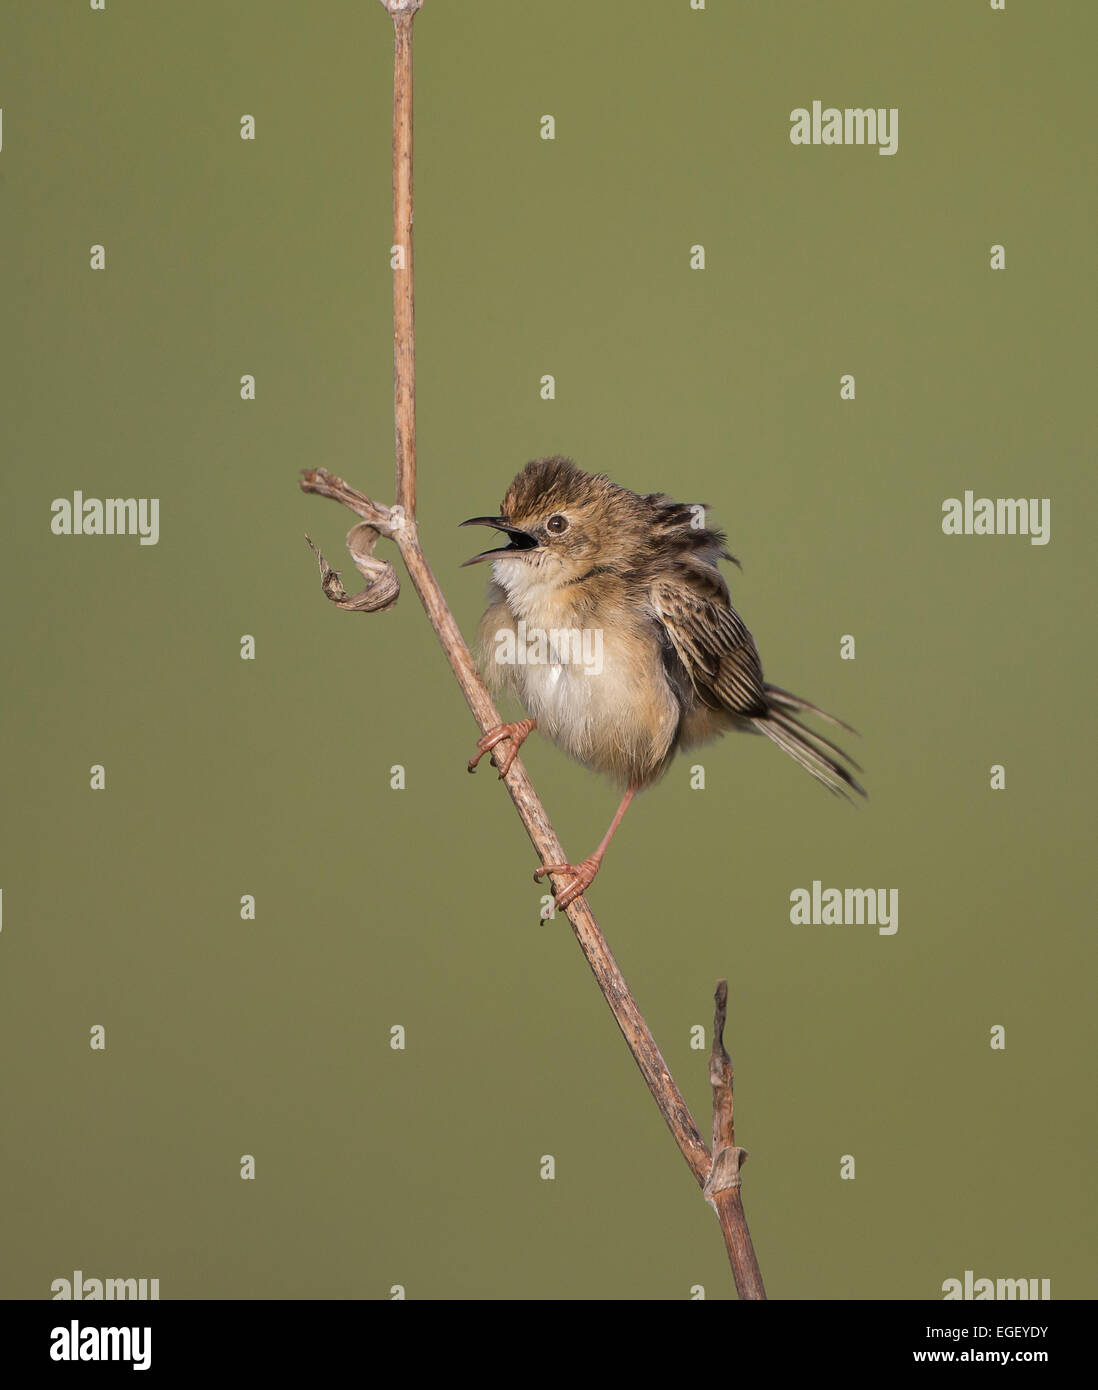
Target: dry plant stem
(722, 1187)
(404, 318)
(399, 524)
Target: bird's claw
(582, 875)
(516, 732)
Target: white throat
(533, 588)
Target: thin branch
(404, 317)
(722, 1186)
(399, 523)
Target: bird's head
(560, 522)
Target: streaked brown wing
(711, 640)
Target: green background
(378, 907)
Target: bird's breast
(598, 690)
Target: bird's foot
(516, 732)
(582, 875)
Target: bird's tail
(816, 754)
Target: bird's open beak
(520, 540)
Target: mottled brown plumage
(678, 666)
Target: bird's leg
(516, 732)
(583, 875)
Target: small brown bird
(610, 621)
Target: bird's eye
(556, 524)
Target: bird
(609, 619)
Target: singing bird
(591, 567)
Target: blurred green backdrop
(271, 777)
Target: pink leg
(584, 874)
(516, 732)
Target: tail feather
(804, 745)
(798, 730)
(787, 701)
